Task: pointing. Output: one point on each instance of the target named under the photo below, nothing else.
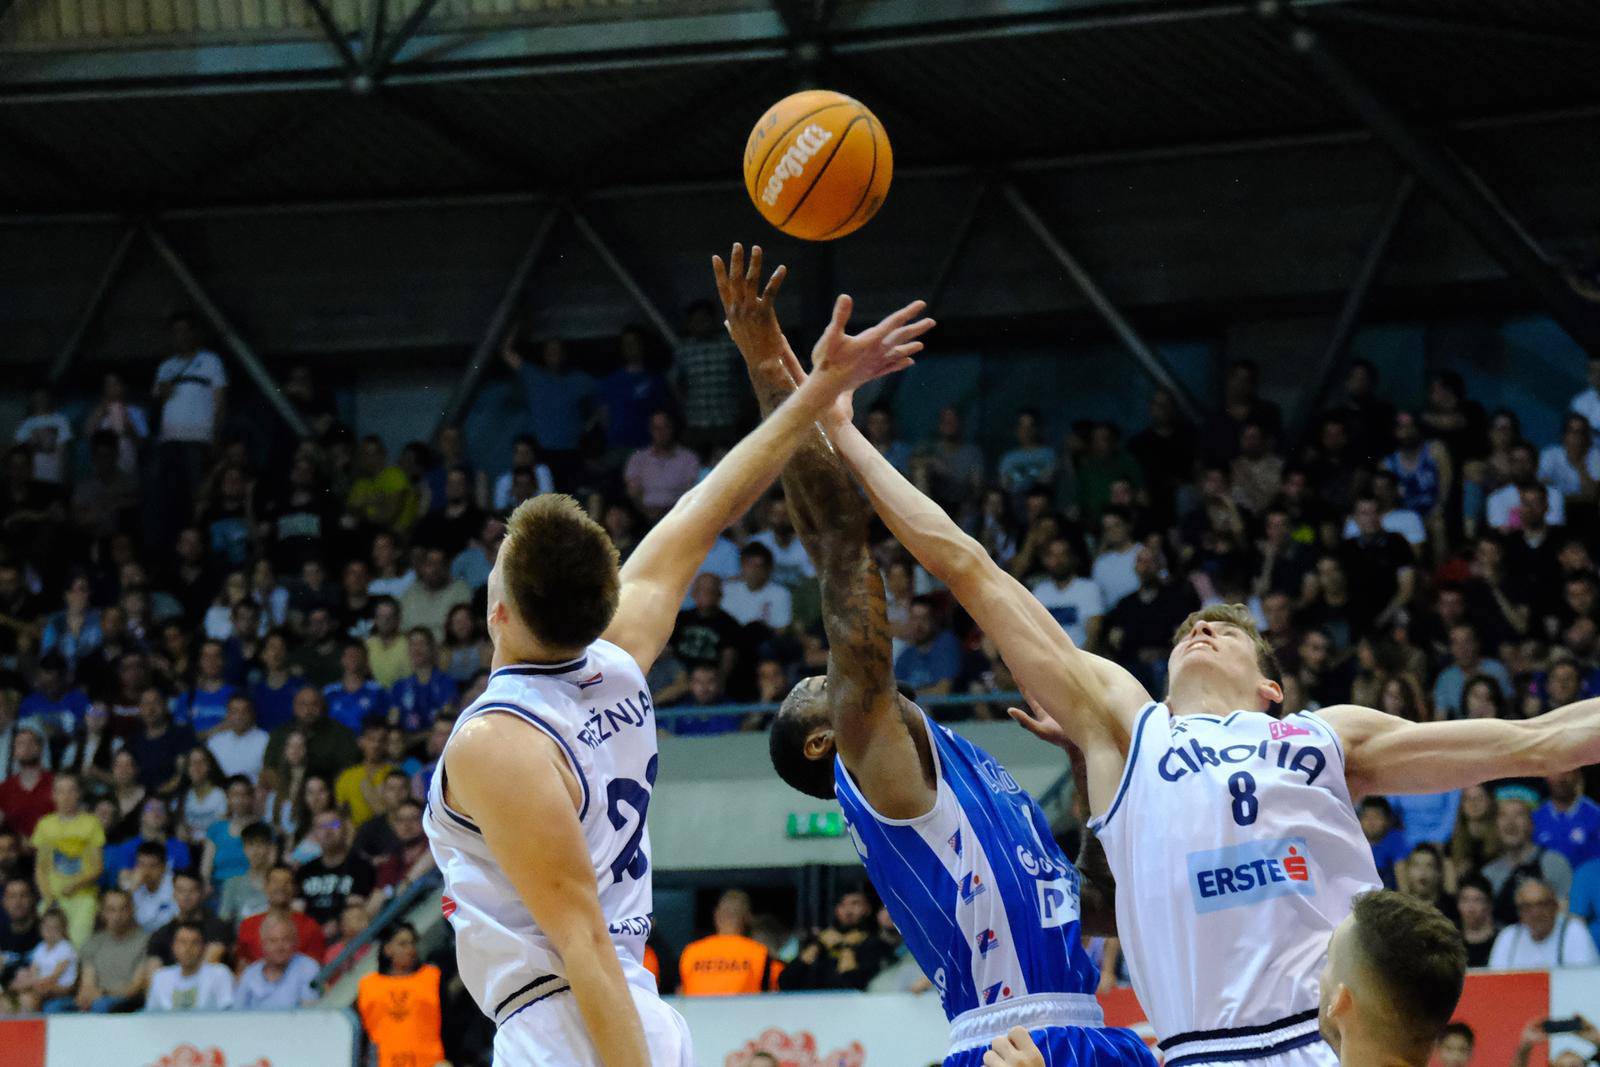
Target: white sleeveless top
(1236, 851)
(598, 709)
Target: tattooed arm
(833, 520)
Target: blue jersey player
(960, 854)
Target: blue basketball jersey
(986, 900)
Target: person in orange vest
(729, 961)
(400, 1005)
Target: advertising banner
(182, 1039)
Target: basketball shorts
(550, 1033)
(1066, 1027)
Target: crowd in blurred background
(227, 668)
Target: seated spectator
(949, 469)
(1392, 518)
(458, 520)
(1467, 662)
(70, 848)
(378, 836)
(881, 432)
(386, 645)
(206, 799)
(315, 798)
(464, 652)
(356, 697)
(1115, 569)
(46, 983)
(352, 923)
(1475, 911)
(189, 894)
(161, 745)
(1422, 469)
(224, 856)
(240, 746)
(728, 961)
(1388, 843)
(151, 894)
(400, 1005)
(1507, 509)
(1541, 937)
(334, 878)
(154, 820)
(705, 633)
(657, 475)
(932, 660)
(358, 788)
(842, 956)
(381, 495)
(1031, 465)
(191, 982)
(54, 707)
(1520, 857)
(1073, 601)
(1423, 878)
(1475, 841)
(705, 691)
(427, 692)
(25, 797)
(317, 658)
(1426, 818)
(19, 932)
(434, 593)
(281, 890)
(281, 980)
(205, 705)
(1568, 822)
(1571, 467)
(246, 893)
(113, 970)
(411, 857)
(474, 562)
(330, 746)
(790, 564)
(524, 458)
(754, 597)
(14, 863)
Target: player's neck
(1206, 697)
(1362, 1050)
(509, 650)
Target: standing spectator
(1115, 569)
(950, 469)
(382, 495)
(114, 975)
(127, 423)
(1541, 937)
(281, 889)
(840, 956)
(356, 697)
(1475, 908)
(525, 463)
(190, 983)
(205, 705)
(560, 404)
(1520, 858)
(386, 645)
(660, 473)
(224, 857)
(1029, 466)
(433, 594)
(191, 387)
(240, 746)
(631, 394)
(400, 1005)
(932, 660)
(104, 502)
(729, 961)
(246, 892)
(1568, 822)
(331, 880)
(1072, 600)
(160, 745)
(330, 746)
(151, 892)
(790, 564)
(281, 979)
(46, 983)
(1241, 405)
(754, 597)
(358, 789)
(1467, 663)
(25, 797)
(45, 433)
(428, 692)
(70, 843)
(189, 893)
(710, 380)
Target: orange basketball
(817, 166)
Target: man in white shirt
(1392, 517)
(1072, 600)
(754, 596)
(1540, 939)
(1572, 466)
(151, 890)
(1114, 570)
(45, 433)
(1587, 403)
(281, 979)
(190, 984)
(790, 563)
(1503, 508)
(241, 745)
(191, 387)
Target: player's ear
(1270, 693)
(819, 743)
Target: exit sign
(816, 824)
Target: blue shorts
(1064, 1046)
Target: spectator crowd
(228, 662)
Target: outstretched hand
(1038, 723)
(749, 309)
(859, 358)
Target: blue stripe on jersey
(934, 872)
(572, 757)
(532, 668)
(444, 787)
(1127, 770)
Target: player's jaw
(1216, 658)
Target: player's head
(1221, 644)
(554, 584)
(1395, 970)
(801, 739)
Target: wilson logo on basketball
(793, 164)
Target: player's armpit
(1385, 754)
(514, 782)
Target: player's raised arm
(657, 575)
(1094, 700)
(518, 787)
(1386, 754)
(833, 522)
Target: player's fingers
(774, 283)
(908, 349)
(736, 262)
(752, 273)
(719, 271)
(894, 367)
(896, 319)
(991, 1058)
(841, 314)
(909, 332)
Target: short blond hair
(1236, 615)
(560, 571)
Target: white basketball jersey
(1236, 851)
(598, 709)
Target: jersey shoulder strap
(1149, 730)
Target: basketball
(817, 165)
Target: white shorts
(1316, 1054)
(551, 1033)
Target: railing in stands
(956, 700)
(402, 902)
